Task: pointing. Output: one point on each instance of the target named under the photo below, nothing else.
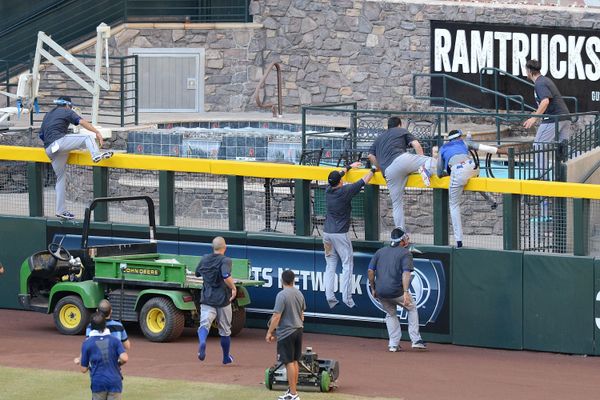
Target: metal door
(170, 80)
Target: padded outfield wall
(498, 299)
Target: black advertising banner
(570, 57)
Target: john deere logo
(142, 271)
(428, 289)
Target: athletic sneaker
(102, 156)
(394, 349)
(425, 175)
(419, 345)
(288, 396)
(66, 215)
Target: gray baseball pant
(66, 144)
(222, 314)
(393, 323)
(545, 134)
(338, 245)
(459, 177)
(396, 176)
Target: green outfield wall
(497, 299)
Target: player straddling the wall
(336, 240)
(218, 291)
(455, 160)
(58, 143)
(389, 281)
(390, 153)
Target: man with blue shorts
(102, 355)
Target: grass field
(38, 384)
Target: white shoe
(419, 345)
(394, 349)
(425, 175)
(102, 156)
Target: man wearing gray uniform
(550, 102)
(218, 291)
(58, 143)
(288, 320)
(454, 159)
(389, 280)
(336, 240)
(389, 152)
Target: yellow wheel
(70, 315)
(160, 320)
(155, 320)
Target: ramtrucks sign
(570, 57)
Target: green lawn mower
(314, 376)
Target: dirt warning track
(29, 340)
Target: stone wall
(332, 51)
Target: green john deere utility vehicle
(159, 291)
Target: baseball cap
(335, 177)
(454, 134)
(397, 236)
(64, 101)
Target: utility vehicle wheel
(325, 381)
(238, 320)
(70, 316)
(160, 320)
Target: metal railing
(447, 101)
(497, 71)
(119, 104)
(277, 110)
(70, 21)
(585, 139)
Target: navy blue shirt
(546, 89)
(389, 263)
(389, 145)
(338, 202)
(214, 269)
(116, 329)
(101, 355)
(56, 124)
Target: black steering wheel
(59, 252)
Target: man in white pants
(454, 159)
(389, 281)
(336, 240)
(389, 153)
(58, 143)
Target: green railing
(447, 101)
(69, 21)
(507, 75)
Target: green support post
(371, 212)
(166, 198)
(35, 181)
(440, 217)
(510, 221)
(581, 227)
(100, 178)
(235, 200)
(302, 207)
